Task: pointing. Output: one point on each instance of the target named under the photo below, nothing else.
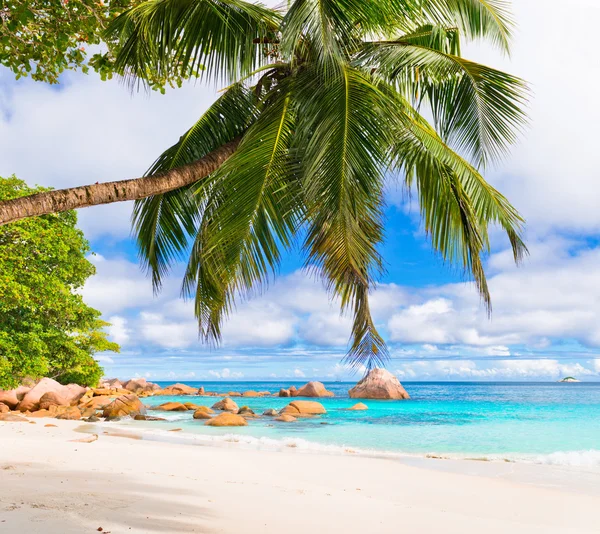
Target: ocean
(552, 423)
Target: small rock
(227, 419)
(359, 406)
(271, 412)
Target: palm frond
(180, 38)
(163, 224)
(457, 204)
(252, 213)
(477, 109)
(475, 19)
(343, 135)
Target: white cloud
(118, 331)
(225, 373)
(328, 329)
(88, 130)
(552, 173)
(533, 304)
(117, 286)
(497, 370)
(298, 373)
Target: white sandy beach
(51, 484)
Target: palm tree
(324, 105)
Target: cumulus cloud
(118, 331)
(225, 374)
(87, 131)
(498, 370)
(538, 302)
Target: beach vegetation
(46, 329)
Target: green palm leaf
(476, 108)
(252, 212)
(164, 223)
(344, 142)
(180, 37)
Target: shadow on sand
(36, 498)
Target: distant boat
(569, 379)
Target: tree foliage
(45, 327)
(329, 101)
(44, 38)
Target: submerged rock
(227, 419)
(379, 384)
(303, 408)
(313, 389)
(285, 418)
(359, 406)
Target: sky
(546, 313)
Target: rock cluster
(114, 399)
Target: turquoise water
(545, 422)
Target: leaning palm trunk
(326, 98)
(121, 191)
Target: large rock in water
(379, 384)
(226, 405)
(313, 389)
(69, 395)
(303, 408)
(124, 405)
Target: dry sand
(51, 484)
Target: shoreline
(54, 484)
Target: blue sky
(546, 320)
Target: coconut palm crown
(326, 103)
